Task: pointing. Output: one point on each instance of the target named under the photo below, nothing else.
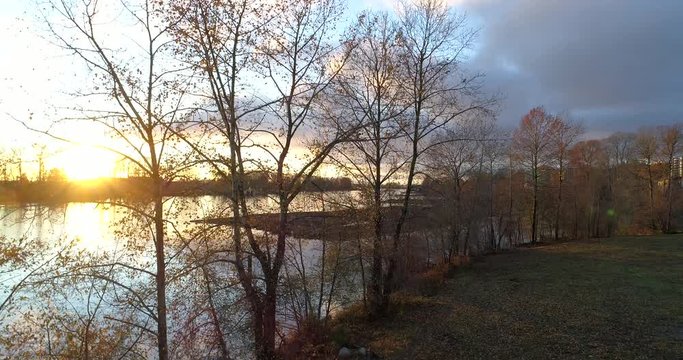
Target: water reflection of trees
(87, 300)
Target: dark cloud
(615, 64)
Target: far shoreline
(58, 192)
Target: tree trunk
(257, 328)
(225, 355)
(534, 211)
(362, 272)
(162, 337)
(377, 301)
(559, 204)
(389, 279)
(669, 196)
(511, 203)
(375, 293)
(651, 189)
(267, 346)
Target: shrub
(429, 283)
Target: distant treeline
(544, 184)
(57, 191)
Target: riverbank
(619, 298)
(59, 191)
(334, 224)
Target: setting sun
(83, 162)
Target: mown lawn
(618, 298)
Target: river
(111, 233)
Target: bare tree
(369, 91)
(620, 153)
(21, 260)
(434, 41)
(40, 150)
(456, 158)
(140, 98)
(287, 46)
(494, 148)
(5, 162)
(532, 142)
(588, 159)
(567, 133)
(647, 150)
(620, 148)
(671, 139)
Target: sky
(614, 65)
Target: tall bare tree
(588, 159)
(647, 150)
(455, 159)
(138, 98)
(369, 91)
(287, 46)
(671, 139)
(434, 43)
(567, 133)
(533, 143)
(619, 149)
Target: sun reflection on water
(91, 225)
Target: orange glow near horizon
(86, 163)
(89, 163)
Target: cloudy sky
(613, 64)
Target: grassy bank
(619, 298)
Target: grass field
(619, 298)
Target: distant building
(677, 168)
